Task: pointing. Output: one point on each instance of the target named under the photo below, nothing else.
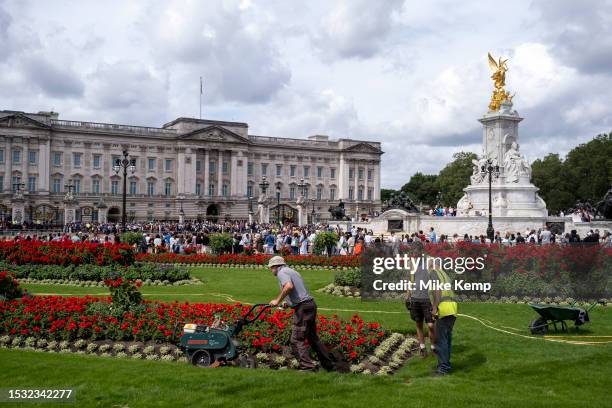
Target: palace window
(225, 190)
(360, 194)
(292, 193)
(360, 172)
(151, 188)
(332, 173)
(292, 170)
(198, 189)
(133, 187)
(319, 172)
(168, 165)
(95, 186)
(249, 190)
(77, 185)
(114, 187)
(1, 155)
(57, 158)
(31, 184)
(76, 159)
(151, 164)
(350, 193)
(96, 161)
(332, 194)
(306, 171)
(16, 156)
(225, 167)
(167, 188)
(351, 173)
(249, 169)
(279, 170)
(370, 175)
(198, 166)
(264, 169)
(211, 189)
(212, 167)
(370, 193)
(319, 193)
(32, 156)
(57, 185)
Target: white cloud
(412, 75)
(356, 28)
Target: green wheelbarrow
(553, 314)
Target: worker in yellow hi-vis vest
(444, 311)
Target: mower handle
(263, 309)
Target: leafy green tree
(589, 168)
(455, 177)
(548, 176)
(385, 193)
(422, 188)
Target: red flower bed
(235, 259)
(55, 317)
(65, 253)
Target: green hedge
(97, 273)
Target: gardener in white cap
(304, 317)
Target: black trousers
(305, 327)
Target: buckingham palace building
(53, 171)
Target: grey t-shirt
(421, 276)
(299, 293)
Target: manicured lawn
(490, 367)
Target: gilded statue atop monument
(500, 95)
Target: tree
(548, 176)
(585, 175)
(589, 168)
(385, 193)
(422, 188)
(455, 177)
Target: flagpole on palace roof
(201, 91)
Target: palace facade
(204, 169)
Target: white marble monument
(513, 194)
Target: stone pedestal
(512, 193)
(102, 213)
(263, 210)
(70, 207)
(18, 209)
(302, 211)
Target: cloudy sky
(410, 74)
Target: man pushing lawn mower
(304, 318)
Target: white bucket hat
(276, 261)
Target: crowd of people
(289, 239)
(440, 211)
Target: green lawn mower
(210, 346)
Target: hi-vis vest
(448, 305)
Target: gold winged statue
(500, 95)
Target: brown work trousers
(305, 327)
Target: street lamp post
(278, 193)
(312, 216)
(492, 171)
(124, 164)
